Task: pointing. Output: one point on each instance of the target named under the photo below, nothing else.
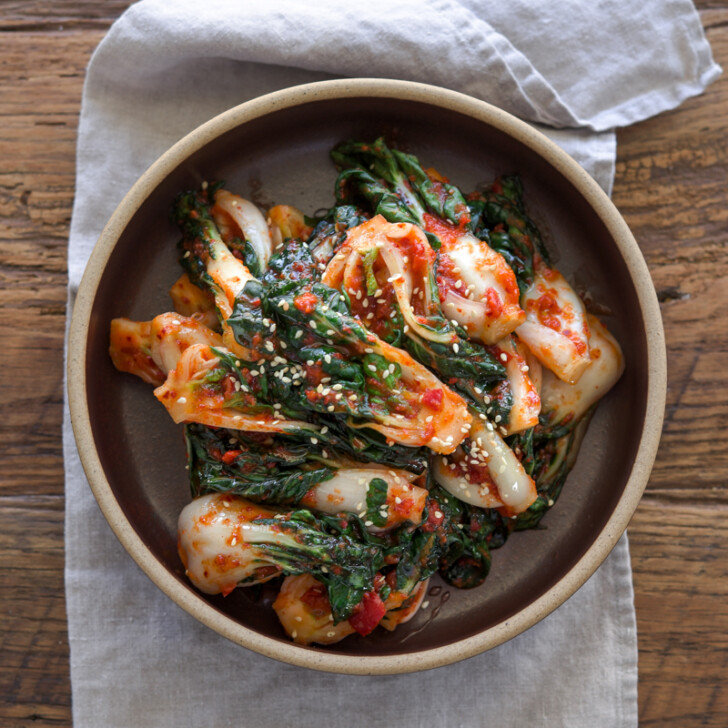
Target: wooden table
(672, 187)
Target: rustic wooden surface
(671, 185)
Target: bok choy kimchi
(371, 395)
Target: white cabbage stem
(569, 402)
(249, 220)
(480, 289)
(150, 349)
(172, 334)
(398, 244)
(556, 328)
(309, 621)
(216, 537)
(402, 607)
(495, 476)
(186, 401)
(526, 401)
(286, 221)
(191, 300)
(441, 427)
(347, 491)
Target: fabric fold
(597, 66)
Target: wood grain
(671, 187)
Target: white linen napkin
(165, 67)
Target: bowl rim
(316, 658)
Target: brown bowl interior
(283, 158)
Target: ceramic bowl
(274, 149)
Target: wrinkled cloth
(575, 69)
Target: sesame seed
(182, 400)
(504, 357)
(455, 348)
(368, 523)
(425, 604)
